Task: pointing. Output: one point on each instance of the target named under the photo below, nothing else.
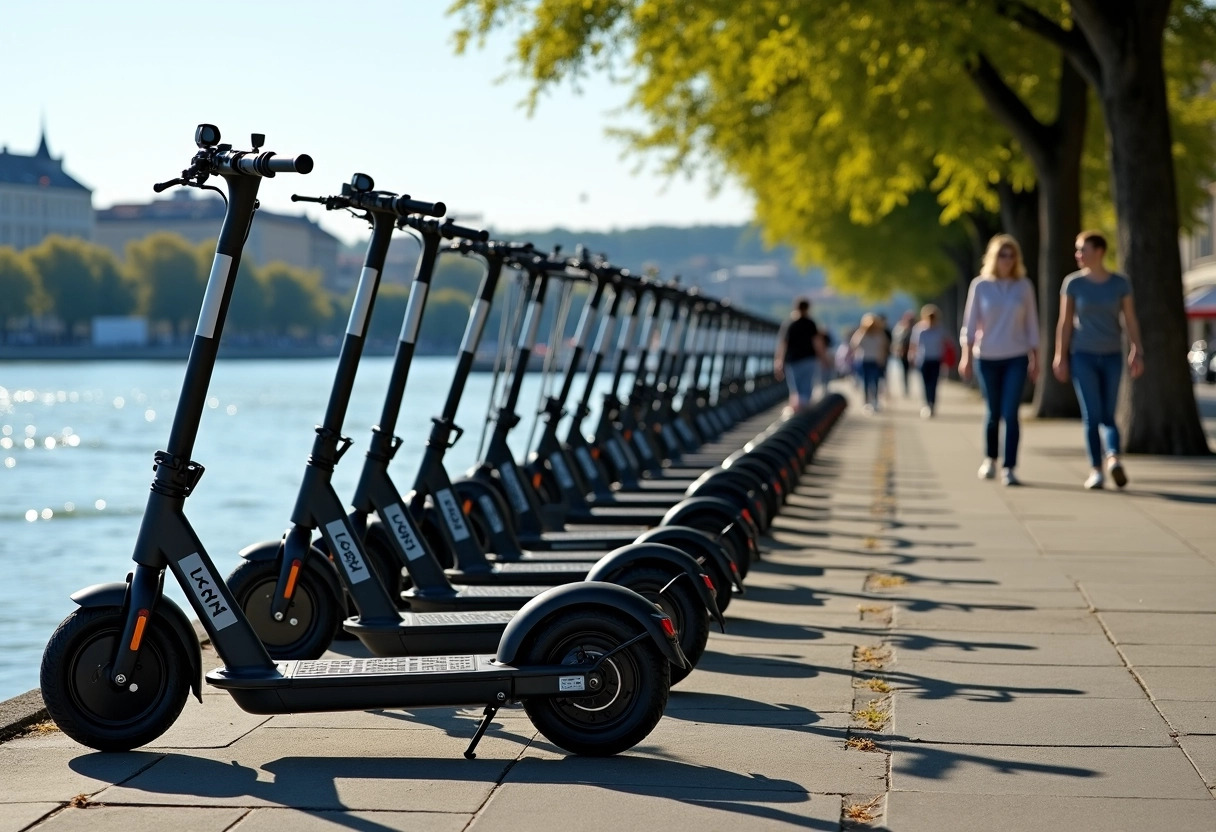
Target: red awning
(1201, 302)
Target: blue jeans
(930, 371)
(1096, 379)
(800, 377)
(870, 374)
(1001, 382)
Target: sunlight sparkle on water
(230, 410)
(47, 514)
(49, 442)
(9, 462)
(149, 415)
(6, 442)
(31, 515)
(100, 505)
(119, 401)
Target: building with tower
(38, 198)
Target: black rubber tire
(683, 605)
(631, 702)
(85, 704)
(314, 607)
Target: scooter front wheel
(88, 706)
(311, 622)
(634, 689)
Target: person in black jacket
(799, 354)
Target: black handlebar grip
(450, 229)
(404, 205)
(299, 198)
(288, 164)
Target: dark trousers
(1096, 379)
(1001, 381)
(930, 372)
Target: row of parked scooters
(581, 583)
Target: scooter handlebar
(258, 164)
(451, 230)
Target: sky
(371, 86)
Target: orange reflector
(536, 480)
(290, 589)
(746, 515)
(778, 489)
(468, 506)
(668, 627)
(709, 582)
(628, 434)
(734, 567)
(658, 428)
(140, 623)
(595, 453)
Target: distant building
(295, 240)
(37, 198)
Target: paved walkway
(919, 647)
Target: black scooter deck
(551, 572)
(360, 684)
(471, 598)
(431, 633)
(576, 540)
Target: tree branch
(1033, 135)
(1072, 42)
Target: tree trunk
(1157, 412)
(1059, 169)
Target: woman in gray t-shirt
(1089, 348)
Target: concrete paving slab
(992, 573)
(1195, 684)
(751, 681)
(1038, 771)
(695, 755)
(18, 816)
(983, 601)
(259, 820)
(328, 769)
(34, 774)
(1005, 648)
(547, 808)
(1136, 566)
(932, 812)
(1030, 721)
(1188, 717)
(1177, 595)
(1202, 751)
(101, 818)
(213, 723)
(1002, 682)
(723, 709)
(1131, 532)
(1170, 655)
(1161, 627)
(1075, 621)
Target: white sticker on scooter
(209, 315)
(515, 491)
(346, 552)
(368, 280)
(452, 514)
(586, 462)
(413, 313)
(562, 471)
(571, 684)
(643, 446)
(491, 512)
(203, 585)
(404, 532)
(618, 456)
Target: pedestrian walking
(927, 349)
(901, 338)
(799, 354)
(872, 346)
(1089, 348)
(999, 344)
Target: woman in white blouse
(1000, 337)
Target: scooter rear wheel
(633, 694)
(87, 706)
(314, 610)
(682, 605)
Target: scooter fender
(690, 540)
(317, 563)
(668, 558)
(588, 594)
(486, 494)
(714, 506)
(115, 595)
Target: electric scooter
(592, 674)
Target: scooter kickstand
(487, 716)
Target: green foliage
(81, 279)
(20, 287)
(171, 279)
(295, 303)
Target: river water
(76, 447)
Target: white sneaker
(926, 412)
(1095, 480)
(1008, 477)
(987, 470)
(1115, 469)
